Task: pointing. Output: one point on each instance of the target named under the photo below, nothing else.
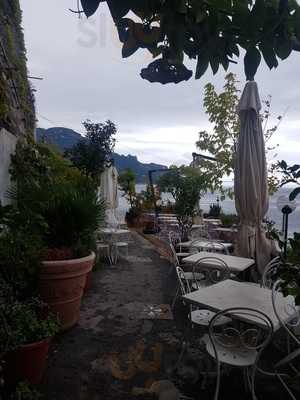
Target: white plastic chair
(239, 344)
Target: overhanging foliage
(211, 32)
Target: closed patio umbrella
(250, 180)
(109, 193)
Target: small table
(203, 244)
(229, 294)
(111, 236)
(235, 264)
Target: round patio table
(113, 236)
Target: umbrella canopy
(250, 180)
(109, 193)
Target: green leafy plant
(73, 215)
(126, 182)
(91, 154)
(289, 271)
(21, 249)
(291, 174)
(229, 220)
(210, 32)
(221, 141)
(186, 184)
(214, 210)
(25, 322)
(26, 391)
(54, 201)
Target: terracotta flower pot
(27, 363)
(61, 285)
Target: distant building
(17, 113)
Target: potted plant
(26, 330)
(65, 212)
(73, 215)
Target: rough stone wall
(17, 113)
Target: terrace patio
(120, 348)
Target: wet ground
(127, 340)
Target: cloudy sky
(85, 77)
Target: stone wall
(17, 113)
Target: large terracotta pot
(27, 363)
(61, 285)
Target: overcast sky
(85, 77)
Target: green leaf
(257, 18)
(294, 194)
(283, 46)
(252, 60)
(202, 65)
(90, 6)
(269, 55)
(214, 63)
(118, 9)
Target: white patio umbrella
(109, 193)
(250, 180)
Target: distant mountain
(64, 138)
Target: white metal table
(206, 245)
(113, 236)
(228, 294)
(235, 264)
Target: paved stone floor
(116, 353)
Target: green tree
(211, 32)
(186, 185)
(221, 141)
(127, 181)
(95, 150)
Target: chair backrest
(269, 274)
(174, 238)
(243, 337)
(175, 259)
(293, 313)
(211, 246)
(214, 270)
(183, 282)
(247, 335)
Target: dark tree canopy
(94, 151)
(209, 31)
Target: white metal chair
(116, 249)
(269, 274)
(174, 240)
(212, 269)
(196, 316)
(238, 344)
(292, 354)
(188, 275)
(103, 250)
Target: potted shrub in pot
(68, 211)
(26, 330)
(72, 215)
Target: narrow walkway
(113, 348)
(117, 349)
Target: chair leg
(217, 391)
(175, 297)
(286, 387)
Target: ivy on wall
(17, 113)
